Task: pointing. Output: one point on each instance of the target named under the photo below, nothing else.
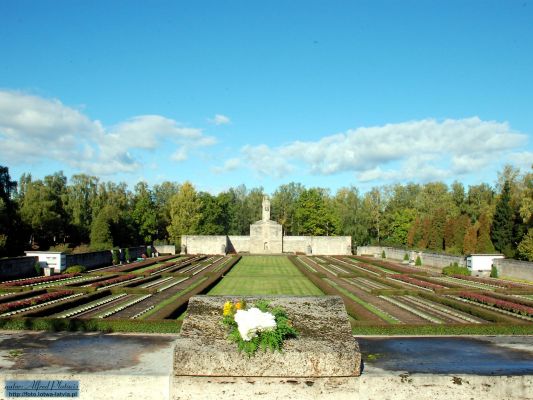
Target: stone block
(325, 347)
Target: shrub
(63, 248)
(148, 251)
(418, 261)
(405, 257)
(115, 255)
(493, 272)
(38, 268)
(455, 269)
(73, 269)
(127, 255)
(383, 254)
(82, 248)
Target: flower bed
(40, 279)
(112, 281)
(493, 282)
(417, 282)
(503, 304)
(43, 298)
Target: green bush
(127, 255)
(63, 248)
(418, 261)
(149, 251)
(455, 269)
(494, 272)
(405, 257)
(115, 256)
(383, 254)
(74, 269)
(38, 268)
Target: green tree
(162, 194)
(80, 199)
(502, 224)
(9, 220)
(484, 244)
(351, 214)
(284, 202)
(399, 226)
(40, 211)
(525, 248)
(184, 213)
(212, 218)
(144, 213)
(101, 237)
(314, 214)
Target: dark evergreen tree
(502, 224)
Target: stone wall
(203, 244)
(165, 248)
(319, 245)
(238, 244)
(514, 269)
(17, 267)
(297, 244)
(94, 259)
(428, 259)
(331, 245)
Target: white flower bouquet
(257, 327)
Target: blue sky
(326, 93)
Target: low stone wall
(514, 269)
(428, 259)
(165, 248)
(297, 244)
(203, 244)
(318, 245)
(238, 244)
(94, 259)
(17, 267)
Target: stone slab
(325, 347)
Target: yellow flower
(228, 308)
(239, 305)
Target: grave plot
(399, 295)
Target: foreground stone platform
(325, 347)
(130, 366)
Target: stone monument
(325, 347)
(266, 236)
(320, 359)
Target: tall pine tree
(502, 224)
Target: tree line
(60, 214)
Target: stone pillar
(266, 208)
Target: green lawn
(264, 275)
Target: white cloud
(220, 119)
(416, 150)
(39, 129)
(229, 165)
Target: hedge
(455, 329)
(89, 325)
